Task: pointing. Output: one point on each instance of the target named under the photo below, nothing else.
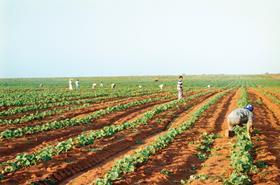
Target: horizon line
(150, 75)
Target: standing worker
(240, 116)
(77, 84)
(70, 85)
(180, 87)
(93, 85)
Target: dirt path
(106, 149)
(268, 102)
(179, 158)
(267, 143)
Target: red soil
(266, 143)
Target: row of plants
(271, 97)
(244, 99)
(63, 102)
(241, 158)
(203, 152)
(49, 96)
(128, 163)
(45, 105)
(204, 148)
(41, 115)
(85, 138)
(69, 122)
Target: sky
(63, 38)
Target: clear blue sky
(40, 38)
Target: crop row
(243, 100)
(273, 98)
(18, 132)
(86, 138)
(44, 98)
(128, 163)
(203, 152)
(39, 106)
(41, 115)
(63, 102)
(205, 146)
(241, 158)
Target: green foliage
(261, 164)
(241, 159)
(165, 172)
(244, 100)
(205, 146)
(238, 179)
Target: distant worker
(240, 116)
(208, 86)
(161, 87)
(101, 84)
(113, 86)
(70, 85)
(140, 86)
(77, 83)
(180, 87)
(93, 85)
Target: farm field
(131, 135)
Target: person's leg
(229, 132)
(249, 128)
(180, 94)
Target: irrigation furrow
(266, 143)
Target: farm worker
(180, 87)
(161, 86)
(77, 83)
(101, 84)
(70, 85)
(140, 86)
(113, 86)
(93, 85)
(240, 116)
(208, 86)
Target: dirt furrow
(267, 145)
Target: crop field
(137, 133)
